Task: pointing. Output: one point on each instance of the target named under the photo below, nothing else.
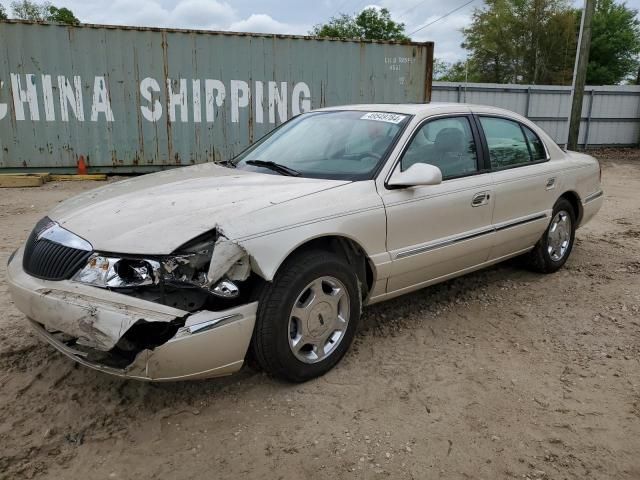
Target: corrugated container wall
(139, 99)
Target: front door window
(446, 143)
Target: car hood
(156, 213)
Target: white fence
(610, 114)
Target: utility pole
(580, 74)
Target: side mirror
(416, 174)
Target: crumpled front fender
(206, 344)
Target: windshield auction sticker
(383, 117)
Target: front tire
(554, 247)
(307, 316)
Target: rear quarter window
(536, 146)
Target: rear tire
(554, 247)
(307, 317)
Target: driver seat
(451, 154)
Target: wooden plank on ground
(18, 181)
(68, 178)
(46, 176)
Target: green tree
(370, 24)
(28, 10)
(440, 67)
(3, 13)
(376, 24)
(455, 72)
(490, 39)
(342, 26)
(62, 15)
(534, 41)
(522, 41)
(615, 43)
(42, 12)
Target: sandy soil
(500, 374)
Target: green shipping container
(132, 99)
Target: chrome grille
(50, 260)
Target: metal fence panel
(610, 114)
(137, 99)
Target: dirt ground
(499, 374)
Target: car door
(437, 230)
(523, 183)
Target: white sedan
(183, 273)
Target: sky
(283, 16)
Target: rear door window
(507, 144)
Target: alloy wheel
(319, 319)
(559, 236)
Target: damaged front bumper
(90, 324)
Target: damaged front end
(209, 344)
(189, 314)
(209, 272)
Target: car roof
(421, 109)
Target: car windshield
(341, 144)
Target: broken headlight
(113, 272)
(187, 268)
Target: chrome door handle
(551, 183)
(480, 198)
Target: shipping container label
(383, 117)
(185, 99)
